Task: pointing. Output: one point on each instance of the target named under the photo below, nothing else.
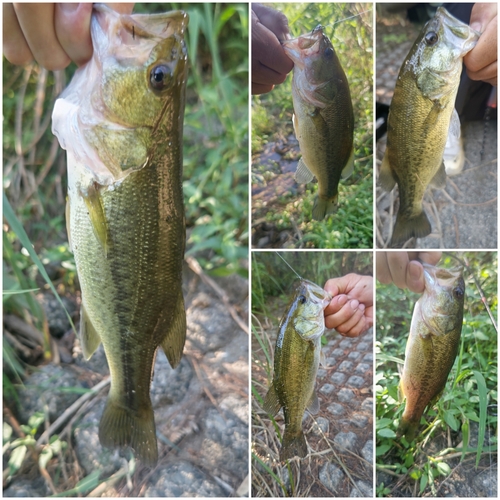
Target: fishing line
(299, 276)
(347, 18)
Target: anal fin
(173, 331)
(89, 338)
(303, 175)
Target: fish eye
(328, 52)
(431, 38)
(458, 292)
(302, 299)
(160, 76)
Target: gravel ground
(464, 213)
(201, 408)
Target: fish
(296, 360)
(121, 123)
(433, 343)
(421, 115)
(323, 118)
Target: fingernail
(414, 271)
(477, 26)
(354, 304)
(362, 307)
(68, 8)
(341, 300)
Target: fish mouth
(304, 46)
(317, 294)
(457, 34)
(437, 276)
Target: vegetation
(35, 249)
(349, 27)
(460, 427)
(272, 286)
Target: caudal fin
(294, 445)
(121, 427)
(323, 207)
(408, 429)
(410, 227)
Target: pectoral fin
(93, 202)
(88, 336)
(303, 175)
(174, 330)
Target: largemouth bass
(121, 121)
(296, 361)
(422, 108)
(432, 344)
(323, 119)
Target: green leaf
(17, 227)
(387, 433)
(443, 468)
(450, 419)
(16, 458)
(483, 401)
(45, 457)
(382, 449)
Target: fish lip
(327, 297)
(431, 275)
(304, 45)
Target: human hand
(52, 34)
(481, 61)
(403, 270)
(350, 311)
(270, 64)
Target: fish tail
(407, 428)
(324, 206)
(409, 227)
(121, 427)
(294, 445)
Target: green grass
(352, 225)
(471, 387)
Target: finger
(258, 88)
(415, 277)
(37, 24)
(15, 47)
(481, 15)
(336, 304)
(353, 325)
(72, 25)
(344, 315)
(273, 20)
(488, 74)
(431, 258)
(267, 49)
(264, 75)
(397, 262)
(485, 51)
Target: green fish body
(121, 121)
(323, 117)
(296, 361)
(420, 115)
(433, 343)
